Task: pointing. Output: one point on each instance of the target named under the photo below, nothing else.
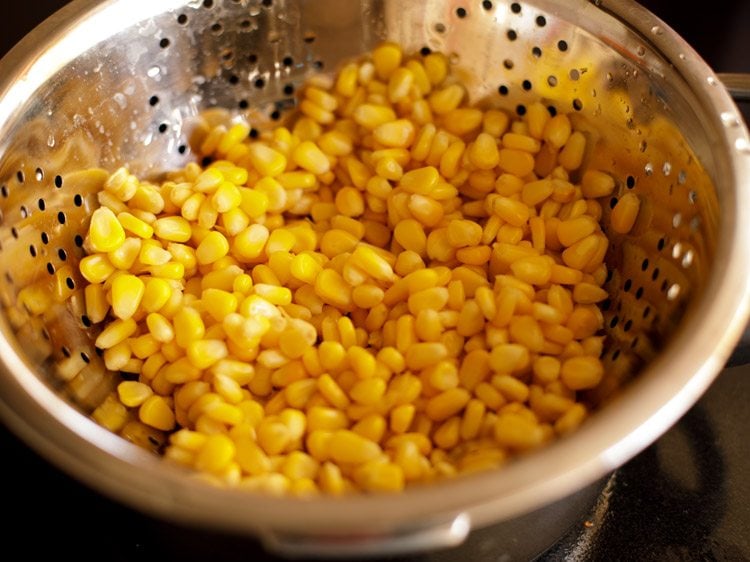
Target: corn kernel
(579, 373)
(625, 213)
(155, 412)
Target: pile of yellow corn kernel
(400, 288)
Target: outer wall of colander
(667, 129)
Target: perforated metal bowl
(113, 82)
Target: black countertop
(686, 498)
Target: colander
(111, 83)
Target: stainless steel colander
(108, 83)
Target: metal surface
(102, 84)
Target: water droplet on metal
(153, 72)
(640, 51)
(729, 119)
(711, 81)
(682, 56)
(649, 169)
(677, 250)
(120, 100)
(673, 292)
(51, 141)
(657, 30)
(666, 168)
(742, 145)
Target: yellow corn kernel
(580, 373)
(307, 155)
(156, 294)
(386, 58)
(116, 331)
(463, 233)
(446, 99)
(511, 211)
(266, 160)
(212, 248)
(362, 362)
(509, 358)
(423, 142)
(216, 454)
(433, 298)
(273, 294)
(188, 326)
(571, 155)
(410, 235)
(597, 184)
(134, 225)
(436, 67)
(446, 404)
(367, 296)
(483, 152)
(105, 231)
(332, 288)
(462, 120)
(518, 141)
(332, 392)
(330, 479)
(133, 393)
(204, 353)
(371, 116)
(517, 432)
(96, 302)
(173, 229)
(124, 257)
(401, 418)
(152, 253)
(397, 134)
(588, 293)
(249, 243)
(346, 81)
(557, 131)
(582, 252)
(508, 185)
(516, 162)
(219, 303)
(625, 213)
(156, 412)
(511, 388)
(546, 369)
(399, 84)
(313, 111)
(96, 268)
(226, 198)
(472, 419)
(535, 270)
(372, 263)
(208, 181)
(536, 192)
(571, 419)
(345, 446)
(526, 331)
(349, 202)
(571, 231)
(369, 391)
(321, 98)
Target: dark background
(687, 497)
